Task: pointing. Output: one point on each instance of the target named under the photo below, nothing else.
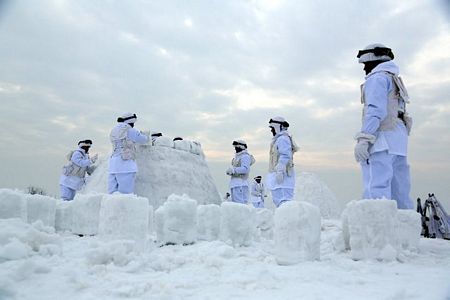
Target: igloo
(310, 188)
(165, 170)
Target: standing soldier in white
(257, 192)
(122, 164)
(383, 140)
(74, 174)
(239, 171)
(281, 177)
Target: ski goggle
(130, 117)
(85, 143)
(282, 123)
(235, 143)
(377, 51)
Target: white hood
(388, 66)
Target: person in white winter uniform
(122, 164)
(281, 177)
(382, 144)
(257, 192)
(239, 172)
(74, 174)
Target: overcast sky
(215, 71)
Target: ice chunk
(42, 208)
(311, 189)
(237, 225)
(64, 216)
(176, 220)
(86, 213)
(409, 224)
(297, 232)
(124, 216)
(12, 204)
(208, 222)
(370, 228)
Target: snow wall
(165, 168)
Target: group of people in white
(381, 147)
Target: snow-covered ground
(126, 261)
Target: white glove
(362, 147)
(94, 158)
(230, 171)
(408, 122)
(279, 176)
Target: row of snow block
(29, 208)
(376, 229)
(184, 145)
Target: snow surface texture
(124, 217)
(164, 170)
(375, 229)
(176, 220)
(38, 264)
(208, 222)
(310, 188)
(297, 232)
(41, 208)
(237, 224)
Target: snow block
(124, 216)
(409, 227)
(86, 213)
(182, 145)
(151, 220)
(311, 189)
(64, 216)
(297, 232)
(164, 141)
(42, 208)
(369, 227)
(13, 205)
(208, 222)
(176, 220)
(196, 148)
(264, 222)
(237, 225)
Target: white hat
(375, 52)
(127, 118)
(240, 144)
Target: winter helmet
(278, 124)
(85, 143)
(128, 118)
(241, 144)
(375, 52)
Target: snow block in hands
(370, 229)
(64, 216)
(297, 232)
(164, 141)
(42, 208)
(208, 222)
(86, 213)
(13, 205)
(237, 224)
(124, 216)
(176, 220)
(182, 145)
(409, 227)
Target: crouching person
(122, 164)
(74, 174)
(257, 192)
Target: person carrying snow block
(257, 192)
(122, 164)
(239, 171)
(74, 174)
(281, 177)
(381, 147)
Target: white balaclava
(375, 52)
(128, 118)
(278, 124)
